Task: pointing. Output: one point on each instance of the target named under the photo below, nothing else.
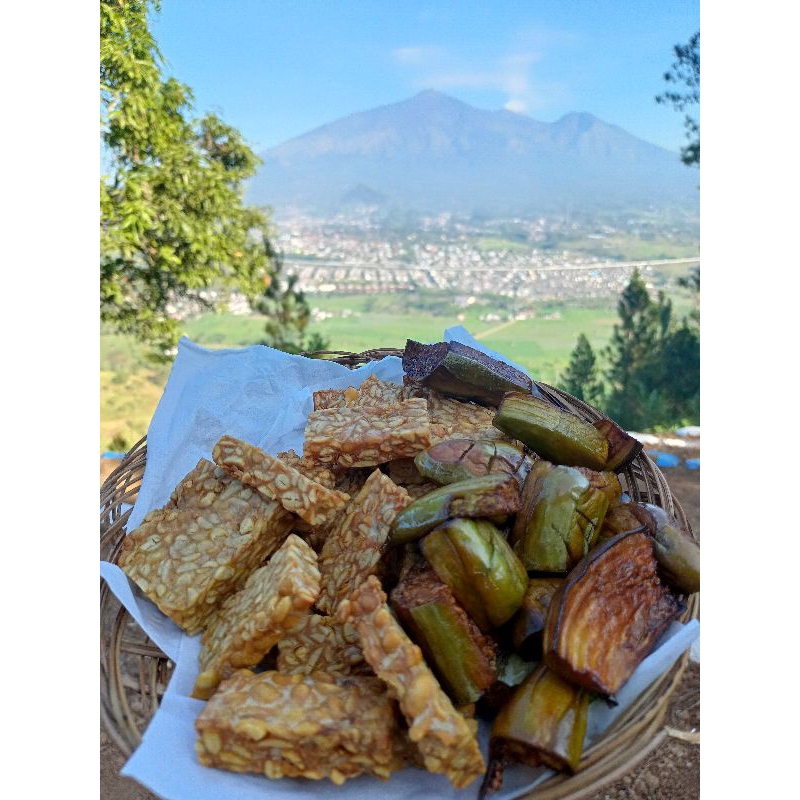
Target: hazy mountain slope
(434, 153)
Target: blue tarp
(664, 459)
(692, 463)
(112, 454)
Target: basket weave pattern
(135, 673)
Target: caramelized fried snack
(366, 436)
(444, 738)
(353, 549)
(474, 559)
(544, 722)
(621, 518)
(457, 459)
(609, 613)
(677, 553)
(462, 371)
(451, 418)
(372, 392)
(320, 643)
(562, 513)
(273, 478)
(310, 468)
(622, 447)
(606, 482)
(551, 432)
(487, 496)
(249, 623)
(460, 655)
(191, 554)
(301, 726)
(529, 621)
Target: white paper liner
(264, 396)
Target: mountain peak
(433, 152)
(577, 121)
(432, 98)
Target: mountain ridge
(434, 153)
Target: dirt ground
(670, 772)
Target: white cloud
(517, 106)
(512, 75)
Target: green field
(131, 385)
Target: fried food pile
(450, 548)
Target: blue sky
(278, 69)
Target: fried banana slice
(301, 726)
(310, 468)
(191, 554)
(274, 600)
(352, 550)
(446, 741)
(365, 436)
(372, 392)
(273, 478)
(320, 643)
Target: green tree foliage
(692, 283)
(683, 92)
(653, 369)
(173, 221)
(580, 378)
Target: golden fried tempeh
(353, 548)
(310, 468)
(320, 643)
(365, 436)
(445, 740)
(310, 726)
(199, 548)
(451, 418)
(273, 478)
(249, 623)
(372, 392)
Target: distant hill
(433, 153)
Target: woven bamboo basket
(135, 673)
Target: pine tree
(580, 378)
(634, 356)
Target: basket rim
(632, 736)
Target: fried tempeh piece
(320, 643)
(366, 436)
(372, 392)
(301, 726)
(199, 548)
(249, 623)
(273, 478)
(445, 740)
(453, 418)
(353, 548)
(310, 468)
